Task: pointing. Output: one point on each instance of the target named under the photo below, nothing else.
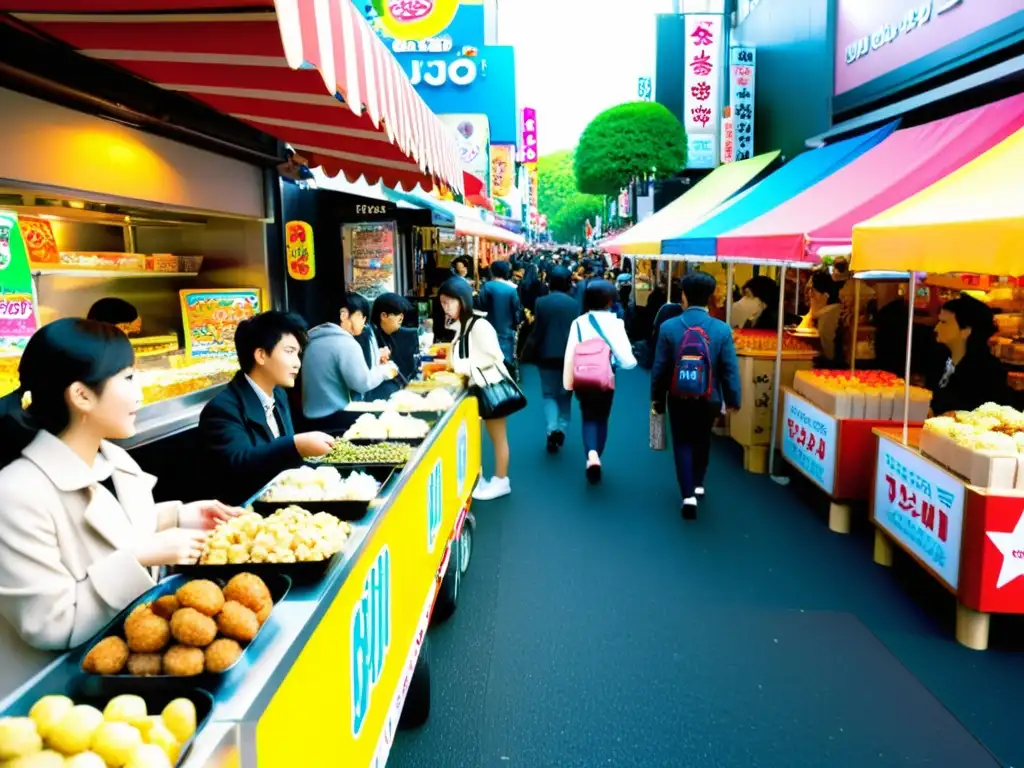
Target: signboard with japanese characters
(809, 441)
(529, 142)
(702, 97)
(741, 99)
(644, 89)
(921, 507)
(728, 138)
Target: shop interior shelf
(107, 273)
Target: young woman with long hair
(477, 354)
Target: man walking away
(695, 367)
(499, 298)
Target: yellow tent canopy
(683, 213)
(970, 221)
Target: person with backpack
(597, 345)
(696, 370)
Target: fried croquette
(249, 590)
(184, 661)
(190, 627)
(238, 622)
(165, 606)
(203, 595)
(264, 613)
(221, 654)
(145, 664)
(107, 657)
(146, 632)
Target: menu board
(211, 317)
(370, 258)
(18, 317)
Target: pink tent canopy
(905, 163)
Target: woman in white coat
(476, 353)
(596, 405)
(80, 534)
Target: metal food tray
(97, 695)
(278, 583)
(349, 511)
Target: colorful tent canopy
(313, 75)
(970, 221)
(791, 179)
(688, 209)
(902, 165)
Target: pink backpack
(592, 361)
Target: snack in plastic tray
(290, 535)
(321, 484)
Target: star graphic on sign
(1011, 545)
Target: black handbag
(498, 399)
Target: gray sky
(573, 63)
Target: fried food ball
(264, 613)
(184, 661)
(249, 590)
(238, 622)
(107, 657)
(203, 595)
(146, 632)
(145, 664)
(190, 627)
(165, 606)
(221, 654)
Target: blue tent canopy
(794, 177)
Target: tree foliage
(567, 209)
(637, 139)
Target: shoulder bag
(498, 399)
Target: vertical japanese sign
(18, 319)
(529, 135)
(503, 168)
(728, 137)
(299, 252)
(809, 441)
(644, 88)
(741, 99)
(921, 507)
(702, 102)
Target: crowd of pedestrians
(577, 320)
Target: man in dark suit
(247, 430)
(499, 298)
(691, 419)
(552, 323)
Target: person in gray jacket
(334, 367)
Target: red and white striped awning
(287, 67)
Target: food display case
(826, 430)
(64, 255)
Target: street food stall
(827, 417)
(951, 495)
(340, 658)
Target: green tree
(569, 223)
(567, 209)
(635, 140)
